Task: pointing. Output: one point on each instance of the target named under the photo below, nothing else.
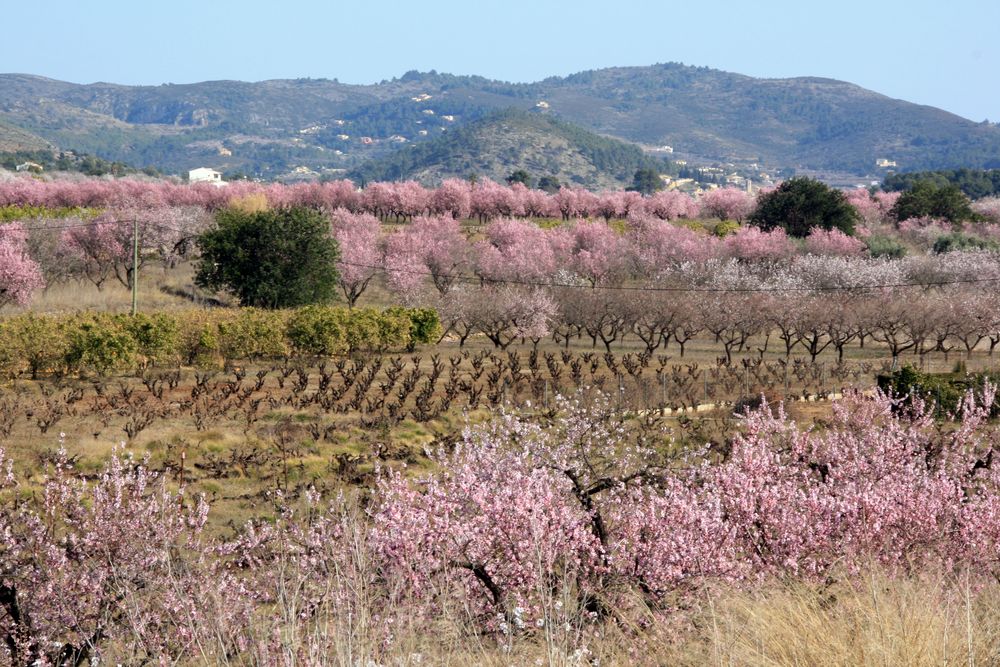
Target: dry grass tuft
(874, 620)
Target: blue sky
(944, 54)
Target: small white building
(205, 175)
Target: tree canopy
(520, 176)
(270, 259)
(975, 183)
(799, 204)
(646, 181)
(930, 198)
(549, 184)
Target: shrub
(199, 343)
(252, 334)
(425, 325)
(318, 331)
(394, 329)
(883, 246)
(100, 343)
(958, 241)
(927, 198)
(157, 336)
(725, 228)
(367, 330)
(36, 341)
(106, 343)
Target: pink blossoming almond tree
(362, 251)
(20, 275)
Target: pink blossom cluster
(989, 208)
(117, 560)
(520, 507)
(101, 247)
(873, 209)
(924, 231)
(727, 204)
(660, 246)
(362, 251)
(755, 245)
(516, 250)
(404, 200)
(436, 250)
(397, 201)
(20, 275)
(517, 503)
(833, 242)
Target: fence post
(663, 388)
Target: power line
(478, 280)
(466, 278)
(96, 223)
(73, 226)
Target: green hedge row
(104, 343)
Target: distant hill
(14, 139)
(502, 142)
(803, 123)
(706, 116)
(50, 160)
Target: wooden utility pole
(135, 266)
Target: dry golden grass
(159, 289)
(875, 620)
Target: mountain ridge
(705, 115)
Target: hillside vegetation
(975, 183)
(269, 128)
(500, 143)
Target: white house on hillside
(205, 175)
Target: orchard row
(101, 343)
(399, 201)
(440, 251)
